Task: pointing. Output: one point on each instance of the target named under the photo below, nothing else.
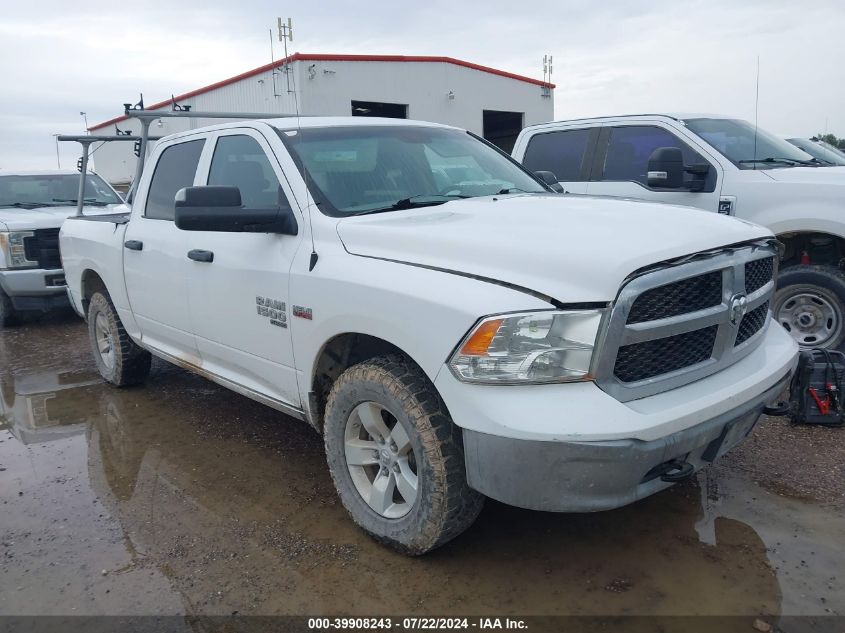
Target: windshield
(369, 169)
(738, 142)
(53, 190)
(817, 150)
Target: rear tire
(388, 436)
(810, 305)
(8, 315)
(119, 360)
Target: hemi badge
(302, 313)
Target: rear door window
(561, 153)
(630, 147)
(175, 170)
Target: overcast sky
(60, 58)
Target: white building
(491, 103)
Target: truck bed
(95, 243)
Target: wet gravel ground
(181, 497)
(804, 462)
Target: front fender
(423, 312)
(807, 225)
(795, 208)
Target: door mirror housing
(219, 209)
(666, 168)
(550, 179)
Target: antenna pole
(285, 34)
(272, 61)
(547, 76)
(756, 108)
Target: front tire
(8, 314)
(119, 360)
(396, 457)
(810, 305)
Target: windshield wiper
(25, 205)
(413, 202)
(89, 201)
(502, 192)
(782, 161)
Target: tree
(831, 138)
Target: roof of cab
(304, 122)
(676, 116)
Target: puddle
(184, 498)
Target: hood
(810, 175)
(44, 217)
(571, 248)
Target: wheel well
(823, 249)
(338, 355)
(91, 283)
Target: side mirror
(550, 179)
(219, 209)
(666, 168)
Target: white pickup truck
(33, 205)
(453, 328)
(722, 165)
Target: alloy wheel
(381, 460)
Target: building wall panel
(329, 87)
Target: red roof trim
(330, 58)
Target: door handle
(134, 245)
(201, 256)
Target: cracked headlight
(13, 251)
(536, 347)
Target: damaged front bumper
(591, 476)
(574, 448)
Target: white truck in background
(33, 205)
(722, 165)
(820, 150)
(454, 329)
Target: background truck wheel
(810, 304)
(118, 359)
(8, 316)
(396, 457)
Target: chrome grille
(676, 298)
(686, 320)
(752, 323)
(639, 361)
(758, 273)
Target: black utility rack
(146, 117)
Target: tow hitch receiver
(676, 470)
(671, 471)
